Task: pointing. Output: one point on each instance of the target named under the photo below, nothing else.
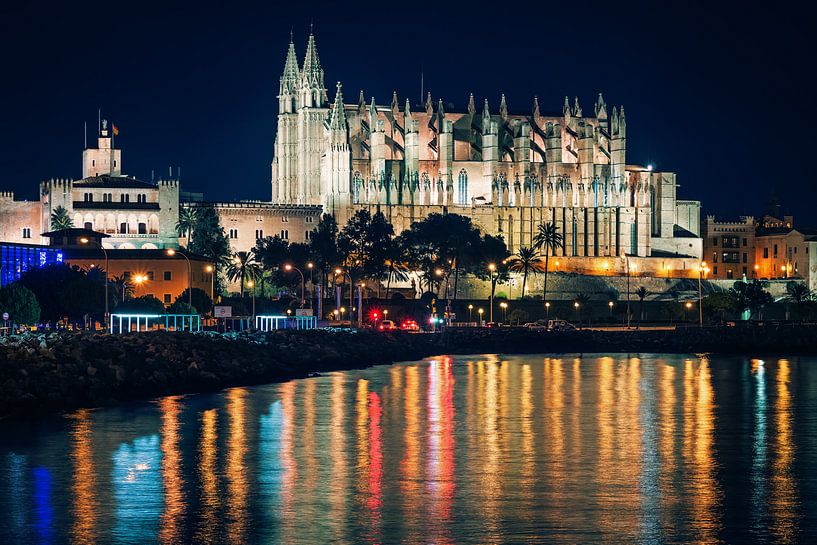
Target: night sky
(719, 95)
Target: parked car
(535, 326)
(387, 325)
(560, 325)
(410, 325)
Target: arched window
(143, 228)
(462, 187)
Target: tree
(146, 304)
(518, 316)
(242, 266)
(527, 261)
(208, 239)
(181, 307)
(60, 219)
(493, 255)
(201, 300)
(719, 304)
(187, 222)
(396, 266)
(122, 286)
(546, 240)
(641, 293)
(323, 245)
(20, 303)
(64, 291)
(798, 292)
(362, 243)
(751, 296)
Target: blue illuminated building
(16, 259)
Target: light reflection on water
(560, 449)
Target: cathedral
(508, 171)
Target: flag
(115, 129)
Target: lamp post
(171, 252)
(85, 240)
(139, 279)
(288, 268)
(504, 306)
(311, 267)
(702, 270)
(470, 309)
(251, 285)
(212, 270)
(492, 269)
(351, 290)
(480, 311)
(688, 306)
(610, 306)
(342, 310)
(547, 310)
(576, 305)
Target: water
(526, 449)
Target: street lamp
(610, 305)
(342, 310)
(171, 252)
(480, 311)
(311, 266)
(547, 310)
(85, 240)
(688, 306)
(576, 306)
(470, 309)
(702, 270)
(491, 268)
(504, 306)
(212, 270)
(351, 289)
(288, 268)
(138, 280)
(251, 285)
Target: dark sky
(721, 94)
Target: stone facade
(246, 222)
(507, 171)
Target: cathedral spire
(373, 116)
(577, 110)
(289, 79)
(440, 109)
(337, 120)
(312, 74)
(566, 107)
(535, 107)
(395, 106)
(361, 101)
(471, 107)
(429, 104)
(407, 114)
(486, 115)
(503, 108)
(601, 108)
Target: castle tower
(105, 159)
(285, 160)
(312, 113)
(336, 187)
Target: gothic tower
(336, 188)
(312, 111)
(285, 160)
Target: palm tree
(187, 222)
(60, 219)
(798, 292)
(398, 270)
(527, 261)
(241, 266)
(548, 238)
(122, 286)
(641, 293)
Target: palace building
(133, 213)
(506, 170)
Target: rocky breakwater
(49, 372)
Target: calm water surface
(527, 449)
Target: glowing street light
(504, 306)
(211, 270)
(480, 312)
(492, 269)
(470, 309)
(251, 285)
(547, 309)
(610, 306)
